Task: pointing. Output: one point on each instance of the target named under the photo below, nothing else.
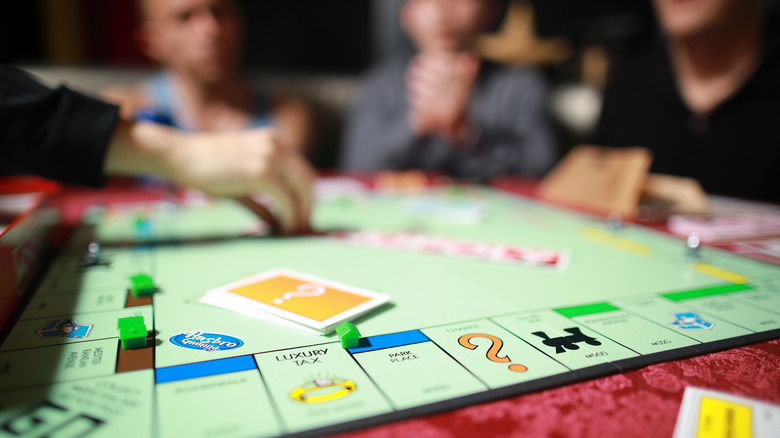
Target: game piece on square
(295, 299)
(143, 229)
(615, 221)
(693, 244)
(93, 254)
(141, 285)
(133, 337)
(129, 321)
(132, 332)
(563, 343)
(349, 334)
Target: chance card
(304, 299)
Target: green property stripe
(587, 309)
(707, 291)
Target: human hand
(237, 164)
(438, 88)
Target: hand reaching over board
(234, 164)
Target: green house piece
(132, 332)
(130, 321)
(349, 334)
(141, 285)
(133, 337)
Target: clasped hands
(438, 89)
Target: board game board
(490, 295)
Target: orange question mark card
(301, 296)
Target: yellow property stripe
(605, 238)
(723, 274)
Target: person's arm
(55, 133)
(66, 136)
(231, 164)
(295, 120)
(130, 99)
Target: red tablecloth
(641, 403)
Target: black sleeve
(57, 134)
(610, 125)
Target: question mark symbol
(492, 353)
(303, 290)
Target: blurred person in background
(443, 108)
(70, 137)
(197, 42)
(704, 98)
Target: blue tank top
(165, 106)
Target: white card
(301, 299)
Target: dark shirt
(734, 150)
(509, 105)
(54, 133)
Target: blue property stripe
(203, 369)
(390, 340)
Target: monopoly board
(490, 295)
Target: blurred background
(317, 50)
